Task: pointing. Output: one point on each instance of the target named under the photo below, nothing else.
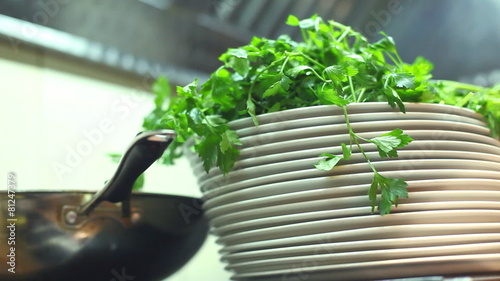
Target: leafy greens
(333, 65)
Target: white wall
(57, 128)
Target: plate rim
(380, 252)
(361, 178)
(365, 106)
(199, 170)
(412, 262)
(356, 244)
(423, 230)
(412, 207)
(280, 169)
(361, 222)
(355, 118)
(414, 184)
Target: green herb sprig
(333, 65)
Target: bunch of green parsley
(333, 65)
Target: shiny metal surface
(109, 235)
(162, 233)
(143, 151)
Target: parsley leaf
(281, 85)
(389, 142)
(229, 140)
(401, 80)
(294, 72)
(237, 59)
(330, 96)
(391, 190)
(292, 20)
(328, 162)
(161, 88)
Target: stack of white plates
(279, 218)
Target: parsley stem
(400, 61)
(304, 36)
(319, 76)
(396, 60)
(355, 137)
(340, 26)
(351, 86)
(461, 85)
(344, 34)
(309, 59)
(386, 82)
(284, 64)
(465, 100)
(361, 95)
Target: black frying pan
(112, 235)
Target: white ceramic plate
(336, 140)
(354, 118)
(362, 127)
(357, 206)
(364, 245)
(403, 166)
(455, 265)
(366, 235)
(357, 164)
(416, 149)
(350, 223)
(302, 184)
(261, 207)
(355, 108)
(247, 204)
(420, 251)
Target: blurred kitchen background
(75, 76)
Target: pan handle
(144, 150)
